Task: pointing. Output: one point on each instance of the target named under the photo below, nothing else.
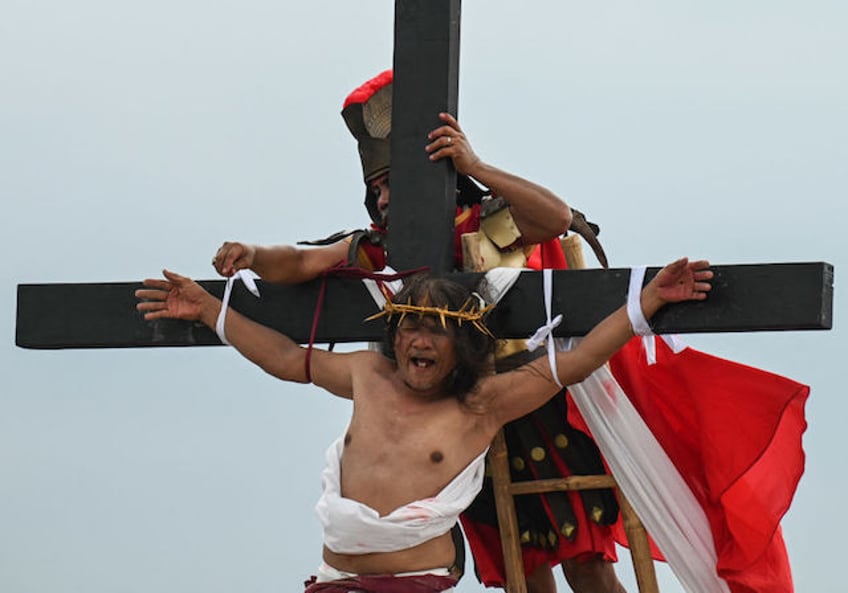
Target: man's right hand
(177, 297)
(232, 257)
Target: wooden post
(640, 549)
(426, 82)
(507, 521)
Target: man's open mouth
(421, 362)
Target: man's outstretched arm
(179, 297)
(526, 388)
(679, 281)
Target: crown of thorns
(471, 312)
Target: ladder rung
(560, 484)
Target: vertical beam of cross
(426, 82)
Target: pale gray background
(140, 135)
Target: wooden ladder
(505, 489)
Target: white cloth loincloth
(351, 527)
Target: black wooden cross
(783, 296)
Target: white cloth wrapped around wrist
(640, 325)
(248, 278)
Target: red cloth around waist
(384, 583)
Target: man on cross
(426, 398)
(534, 215)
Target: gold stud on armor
(597, 514)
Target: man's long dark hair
(473, 347)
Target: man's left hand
(683, 280)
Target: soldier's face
(379, 188)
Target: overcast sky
(135, 136)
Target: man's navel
(436, 457)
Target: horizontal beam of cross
(763, 297)
(745, 298)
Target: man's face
(379, 188)
(425, 354)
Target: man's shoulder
(369, 355)
(372, 361)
